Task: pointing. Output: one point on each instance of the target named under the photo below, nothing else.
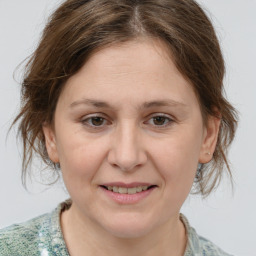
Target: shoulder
(39, 236)
(210, 249)
(198, 245)
(21, 239)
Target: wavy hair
(79, 28)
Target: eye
(95, 121)
(160, 120)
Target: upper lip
(127, 185)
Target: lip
(127, 199)
(127, 185)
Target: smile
(125, 190)
(131, 193)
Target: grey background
(226, 219)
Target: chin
(129, 226)
(129, 231)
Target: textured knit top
(42, 236)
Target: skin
(127, 86)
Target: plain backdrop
(225, 218)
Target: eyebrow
(163, 103)
(95, 103)
(145, 105)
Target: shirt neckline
(59, 245)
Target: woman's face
(128, 121)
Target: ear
(50, 143)
(210, 138)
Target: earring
(198, 171)
(208, 153)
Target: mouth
(127, 193)
(128, 189)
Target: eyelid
(84, 120)
(162, 115)
(167, 116)
(87, 116)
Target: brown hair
(78, 28)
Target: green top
(42, 236)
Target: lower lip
(128, 198)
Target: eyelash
(166, 118)
(88, 121)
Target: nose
(126, 149)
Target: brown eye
(97, 121)
(160, 120)
(94, 122)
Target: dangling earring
(198, 171)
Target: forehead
(143, 69)
(132, 57)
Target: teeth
(132, 190)
(144, 187)
(138, 189)
(122, 190)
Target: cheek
(80, 158)
(176, 158)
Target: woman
(125, 98)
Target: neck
(84, 236)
